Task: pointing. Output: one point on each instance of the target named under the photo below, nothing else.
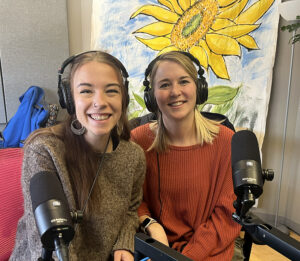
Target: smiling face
(97, 96)
(175, 92)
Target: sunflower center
(194, 23)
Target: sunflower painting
(234, 41)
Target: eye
(164, 85)
(113, 91)
(184, 82)
(85, 91)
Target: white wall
(79, 21)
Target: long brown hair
(81, 160)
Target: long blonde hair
(206, 129)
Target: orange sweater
(196, 192)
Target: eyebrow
(181, 78)
(90, 85)
(113, 84)
(84, 84)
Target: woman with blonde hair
(100, 170)
(188, 190)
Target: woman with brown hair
(101, 171)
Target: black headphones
(202, 89)
(64, 88)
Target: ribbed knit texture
(196, 192)
(112, 226)
(11, 199)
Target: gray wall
(33, 44)
(272, 150)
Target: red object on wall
(11, 198)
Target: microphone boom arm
(265, 234)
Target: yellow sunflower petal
(166, 3)
(221, 23)
(156, 29)
(168, 49)
(215, 61)
(157, 43)
(185, 4)
(247, 41)
(218, 65)
(222, 44)
(199, 53)
(238, 30)
(254, 12)
(225, 2)
(193, 2)
(157, 12)
(224, 8)
(234, 11)
(173, 5)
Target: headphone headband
(64, 89)
(202, 89)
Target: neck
(103, 145)
(182, 132)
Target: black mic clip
(268, 174)
(77, 216)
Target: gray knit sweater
(112, 226)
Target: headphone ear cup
(126, 93)
(150, 101)
(202, 91)
(65, 97)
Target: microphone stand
(145, 246)
(258, 232)
(46, 255)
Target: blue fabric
(30, 116)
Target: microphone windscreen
(244, 146)
(45, 186)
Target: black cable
(159, 195)
(94, 182)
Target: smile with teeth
(176, 103)
(100, 117)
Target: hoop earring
(75, 130)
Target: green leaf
(223, 108)
(135, 114)
(139, 100)
(220, 94)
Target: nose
(175, 90)
(100, 100)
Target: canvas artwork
(234, 41)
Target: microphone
(52, 214)
(247, 174)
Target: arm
(125, 239)
(156, 231)
(28, 244)
(215, 237)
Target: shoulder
(143, 136)
(225, 133)
(44, 141)
(130, 148)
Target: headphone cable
(159, 195)
(94, 181)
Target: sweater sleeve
(215, 238)
(28, 244)
(130, 225)
(135, 134)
